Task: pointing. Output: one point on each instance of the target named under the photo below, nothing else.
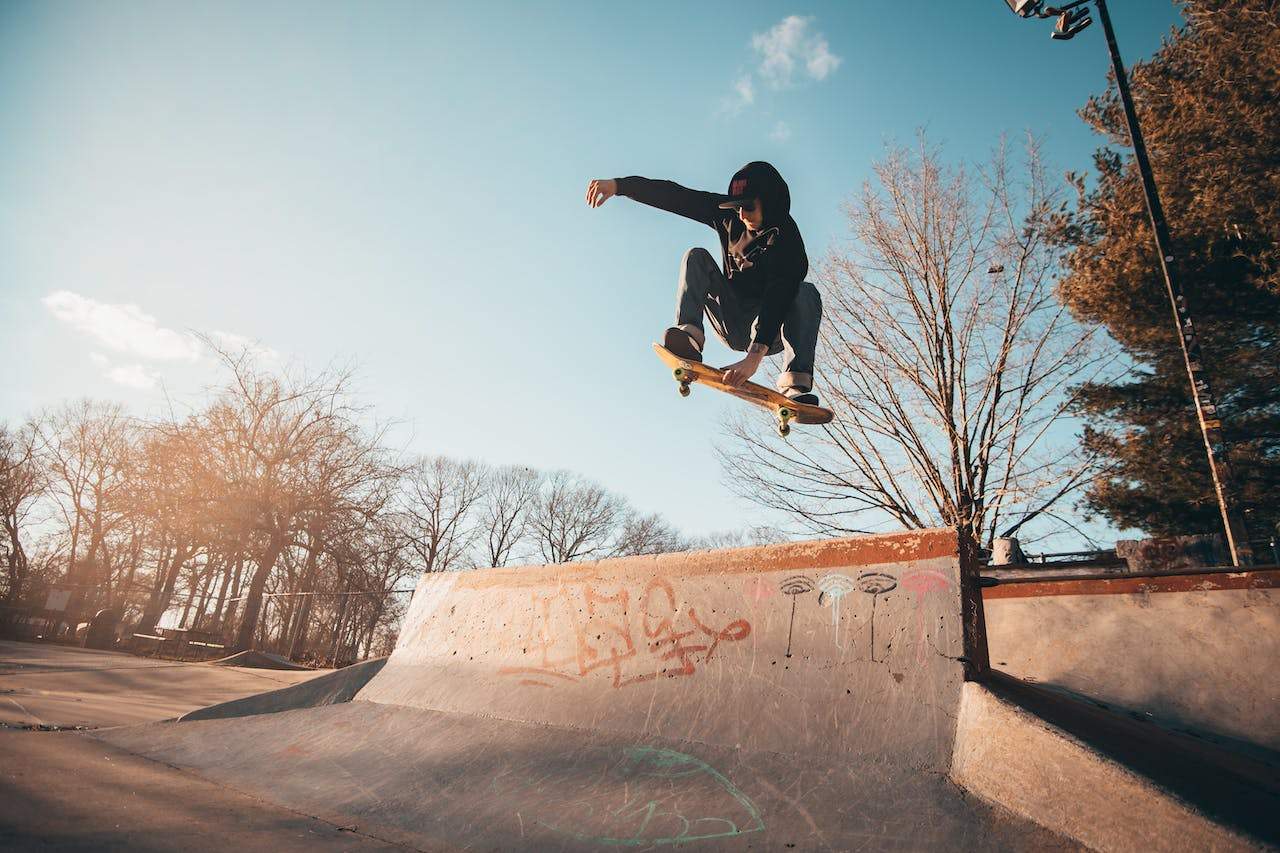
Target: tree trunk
(253, 601)
(226, 617)
(161, 597)
(206, 589)
(298, 635)
(191, 596)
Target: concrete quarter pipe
(796, 696)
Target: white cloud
(790, 44)
(133, 375)
(123, 328)
(744, 95)
(239, 343)
(781, 132)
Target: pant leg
(800, 339)
(703, 289)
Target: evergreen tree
(1209, 103)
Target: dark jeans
(704, 289)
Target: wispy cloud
(792, 44)
(790, 52)
(130, 333)
(239, 343)
(123, 328)
(743, 96)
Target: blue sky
(400, 185)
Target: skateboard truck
(784, 414)
(684, 377)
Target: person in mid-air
(760, 304)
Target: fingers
(596, 194)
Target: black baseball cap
(757, 179)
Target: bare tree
(646, 534)
(440, 499)
(510, 492)
(946, 358)
(289, 448)
(87, 445)
(574, 519)
(23, 481)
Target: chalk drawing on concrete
(875, 584)
(793, 586)
(832, 588)
(654, 783)
(922, 583)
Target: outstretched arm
(697, 205)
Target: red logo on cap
(738, 187)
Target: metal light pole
(1072, 18)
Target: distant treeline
(276, 517)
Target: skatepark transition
(811, 695)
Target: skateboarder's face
(752, 214)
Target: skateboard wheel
(684, 389)
(784, 429)
(678, 373)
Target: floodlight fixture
(1025, 8)
(1071, 22)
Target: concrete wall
(850, 646)
(1195, 651)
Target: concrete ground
(62, 791)
(44, 685)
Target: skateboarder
(760, 303)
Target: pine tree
(1209, 103)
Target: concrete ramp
(849, 647)
(798, 696)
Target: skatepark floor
(61, 791)
(51, 686)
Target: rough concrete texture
(62, 687)
(1008, 756)
(60, 791)
(799, 696)
(1206, 659)
(444, 781)
(794, 648)
(338, 686)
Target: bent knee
(697, 256)
(809, 297)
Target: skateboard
(784, 410)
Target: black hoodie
(765, 267)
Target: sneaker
(682, 344)
(806, 398)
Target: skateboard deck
(784, 410)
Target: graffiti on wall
(580, 630)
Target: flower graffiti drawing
(922, 583)
(793, 586)
(875, 584)
(832, 588)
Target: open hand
(601, 190)
(739, 372)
